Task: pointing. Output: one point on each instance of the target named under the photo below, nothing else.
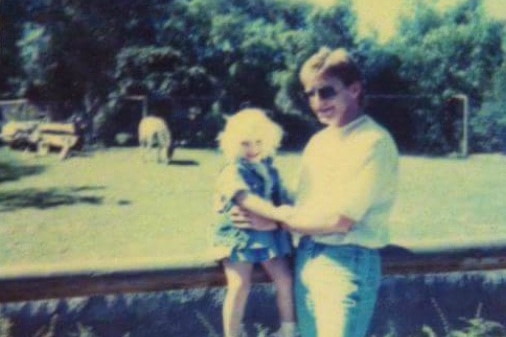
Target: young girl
(250, 181)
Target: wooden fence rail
(181, 275)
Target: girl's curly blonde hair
(249, 124)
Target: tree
(75, 69)
(387, 98)
(489, 123)
(11, 27)
(443, 54)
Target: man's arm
(259, 214)
(257, 205)
(314, 224)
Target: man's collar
(348, 128)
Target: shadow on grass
(12, 172)
(47, 198)
(184, 163)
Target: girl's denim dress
(247, 245)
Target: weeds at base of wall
(47, 330)
(474, 327)
(5, 327)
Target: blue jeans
(335, 289)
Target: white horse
(154, 133)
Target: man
(345, 193)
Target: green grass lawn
(107, 209)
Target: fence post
(464, 143)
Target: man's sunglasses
(326, 92)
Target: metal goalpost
(464, 142)
(13, 109)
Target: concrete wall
(406, 304)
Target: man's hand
(239, 217)
(244, 219)
(260, 223)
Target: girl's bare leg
(281, 275)
(238, 287)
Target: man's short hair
(333, 63)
